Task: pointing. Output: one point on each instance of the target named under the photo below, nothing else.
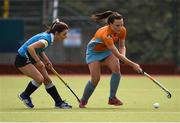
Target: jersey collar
(52, 38)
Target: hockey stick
(57, 74)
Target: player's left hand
(48, 65)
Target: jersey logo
(109, 37)
(28, 61)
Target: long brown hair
(57, 26)
(109, 15)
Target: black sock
(54, 94)
(30, 89)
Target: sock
(114, 83)
(89, 89)
(32, 86)
(52, 91)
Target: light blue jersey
(46, 38)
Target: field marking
(89, 122)
(87, 112)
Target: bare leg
(31, 71)
(90, 86)
(113, 64)
(50, 87)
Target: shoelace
(65, 103)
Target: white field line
(89, 122)
(84, 112)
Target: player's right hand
(137, 68)
(40, 65)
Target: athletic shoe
(82, 104)
(115, 101)
(63, 105)
(26, 100)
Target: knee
(42, 67)
(116, 69)
(39, 79)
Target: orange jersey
(105, 37)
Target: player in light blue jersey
(32, 61)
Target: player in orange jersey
(102, 50)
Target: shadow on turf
(77, 109)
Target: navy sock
(52, 91)
(89, 89)
(31, 87)
(114, 83)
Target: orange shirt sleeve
(122, 33)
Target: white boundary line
(89, 122)
(84, 112)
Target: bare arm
(124, 59)
(46, 60)
(32, 52)
(120, 56)
(31, 49)
(44, 57)
(122, 47)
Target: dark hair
(107, 14)
(57, 26)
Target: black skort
(21, 61)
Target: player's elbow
(30, 48)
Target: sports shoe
(63, 105)
(115, 101)
(26, 100)
(82, 104)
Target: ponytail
(101, 16)
(57, 26)
(107, 14)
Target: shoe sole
(82, 106)
(24, 102)
(63, 107)
(116, 104)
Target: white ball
(156, 105)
